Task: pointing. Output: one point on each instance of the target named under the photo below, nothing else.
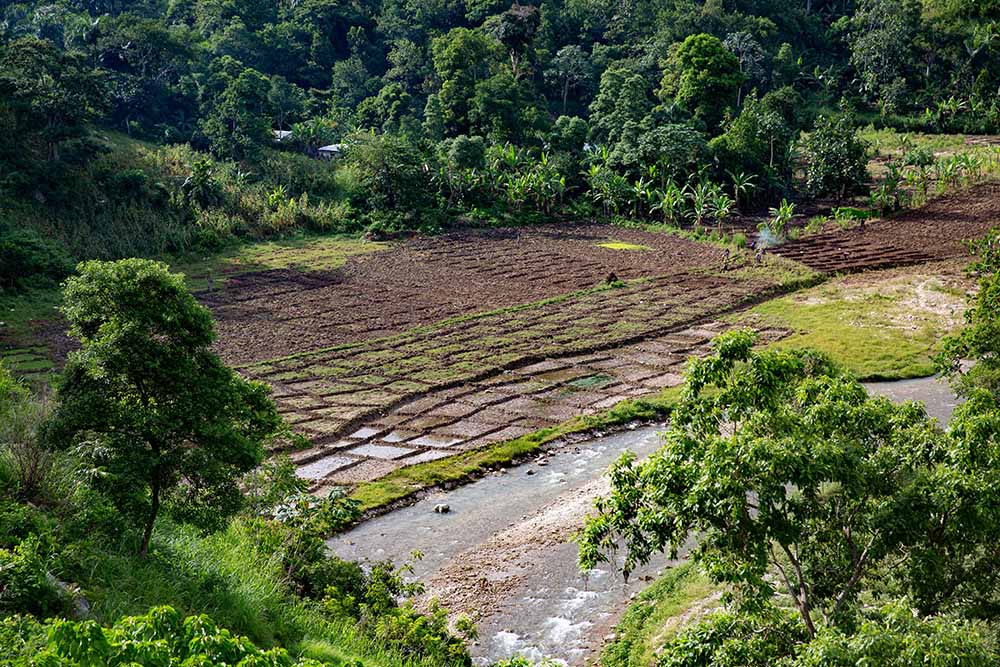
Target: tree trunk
(154, 509)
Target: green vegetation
(159, 637)
(978, 339)
(389, 119)
(655, 614)
(871, 523)
(237, 136)
(164, 421)
(147, 419)
(880, 328)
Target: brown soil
(934, 232)
(275, 313)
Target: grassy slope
(225, 576)
(884, 325)
(642, 628)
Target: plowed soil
(275, 313)
(936, 231)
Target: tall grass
(230, 577)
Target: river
(503, 553)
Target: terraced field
(468, 382)
(268, 314)
(932, 232)
(386, 355)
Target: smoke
(766, 238)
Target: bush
(25, 584)
(894, 636)
(26, 463)
(27, 258)
(390, 176)
(727, 638)
(836, 158)
(160, 637)
(465, 152)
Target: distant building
(331, 151)
(281, 135)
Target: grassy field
(884, 325)
(310, 253)
(890, 142)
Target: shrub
(726, 638)
(160, 637)
(28, 258)
(25, 584)
(466, 152)
(391, 176)
(836, 158)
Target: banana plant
(779, 219)
(722, 206)
(669, 202)
(743, 185)
(701, 201)
(641, 192)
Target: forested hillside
(148, 127)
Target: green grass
(787, 273)
(20, 350)
(623, 245)
(310, 253)
(888, 141)
(406, 482)
(18, 311)
(880, 329)
(229, 577)
(643, 627)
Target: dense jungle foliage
(148, 127)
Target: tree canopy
(793, 481)
(155, 413)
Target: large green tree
(569, 69)
(776, 463)
(238, 121)
(54, 95)
(836, 158)
(515, 29)
(882, 37)
(971, 357)
(462, 58)
(147, 404)
(704, 77)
